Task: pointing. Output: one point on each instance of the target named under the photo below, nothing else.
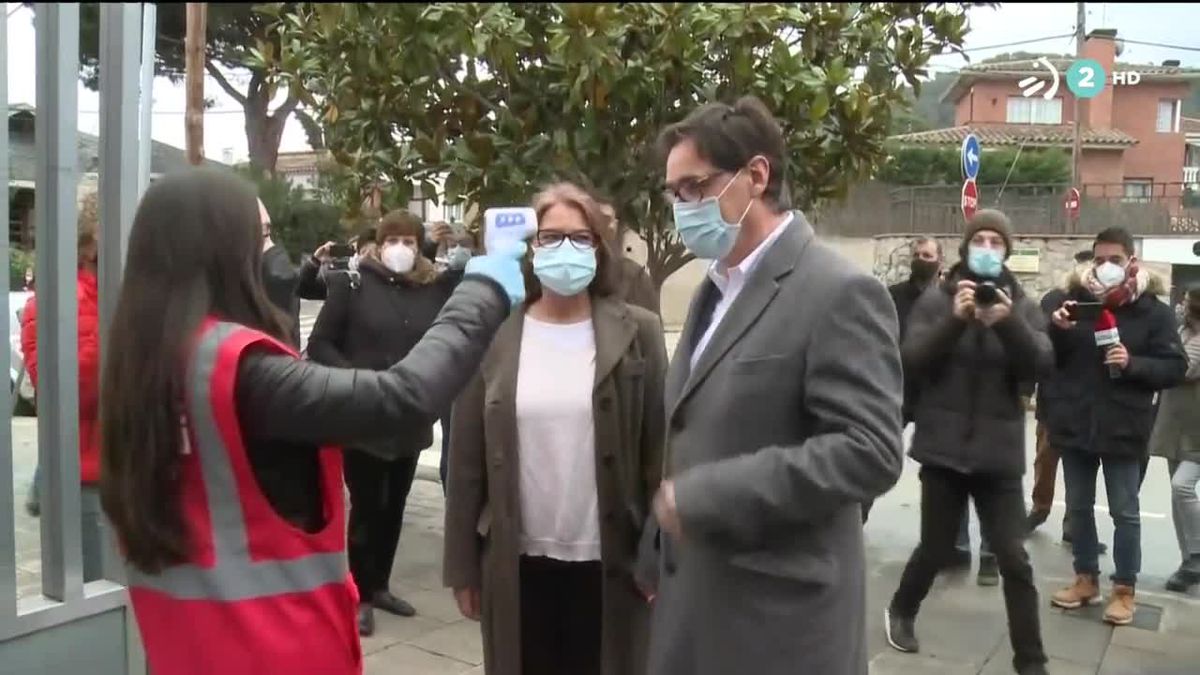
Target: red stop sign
(1071, 203)
(970, 199)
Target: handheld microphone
(1107, 337)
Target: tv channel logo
(1086, 78)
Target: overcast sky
(1166, 23)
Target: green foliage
(18, 262)
(499, 98)
(942, 166)
(234, 33)
(299, 223)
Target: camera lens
(985, 294)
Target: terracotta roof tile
(1016, 134)
(1028, 66)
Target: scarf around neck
(1124, 293)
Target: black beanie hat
(989, 220)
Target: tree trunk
(194, 43)
(263, 135)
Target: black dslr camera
(986, 294)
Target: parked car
(24, 399)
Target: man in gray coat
(783, 407)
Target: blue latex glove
(505, 269)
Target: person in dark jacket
(926, 270)
(971, 342)
(1105, 415)
(372, 323)
(190, 268)
(284, 283)
(1049, 393)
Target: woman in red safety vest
(220, 468)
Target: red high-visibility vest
(257, 596)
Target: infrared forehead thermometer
(506, 227)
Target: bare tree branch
(220, 78)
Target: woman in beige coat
(1177, 438)
(555, 454)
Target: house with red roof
(1135, 142)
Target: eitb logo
(1086, 78)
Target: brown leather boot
(1121, 606)
(1081, 593)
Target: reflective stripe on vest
(234, 575)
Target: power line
(174, 112)
(1159, 44)
(1018, 43)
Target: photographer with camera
(971, 343)
(1107, 380)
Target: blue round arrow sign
(971, 155)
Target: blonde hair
(579, 199)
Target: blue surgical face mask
(565, 269)
(985, 262)
(457, 257)
(702, 227)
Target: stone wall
(1056, 259)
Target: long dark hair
(195, 251)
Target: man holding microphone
(1115, 346)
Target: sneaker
(1183, 580)
(1121, 606)
(989, 571)
(901, 632)
(366, 620)
(1079, 594)
(392, 605)
(1033, 669)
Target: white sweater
(556, 441)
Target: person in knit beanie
(987, 220)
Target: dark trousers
(1001, 507)
(1123, 481)
(378, 491)
(561, 606)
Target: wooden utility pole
(194, 42)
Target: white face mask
(398, 258)
(1110, 274)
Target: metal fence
(876, 208)
(70, 623)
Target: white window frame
(454, 213)
(1037, 110)
(1175, 115)
(1143, 194)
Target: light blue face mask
(702, 227)
(565, 269)
(457, 257)
(985, 262)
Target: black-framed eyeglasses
(582, 240)
(689, 189)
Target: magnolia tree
(496, 99)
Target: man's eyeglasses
(583, 240)
(688, 189)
